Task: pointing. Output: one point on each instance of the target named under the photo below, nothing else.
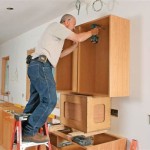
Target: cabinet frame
(98, 69)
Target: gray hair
(66, 17)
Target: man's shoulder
(55, 25)
(58, 30)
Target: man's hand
(95, 31)
(80, 37)
(75, 44)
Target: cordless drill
(94, 38)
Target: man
(42, 89)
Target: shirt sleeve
(59, 30)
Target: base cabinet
(85, 113)
(7, 123)
(102, 141)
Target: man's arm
(80, 37)
(69, 50)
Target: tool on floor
(18, 129)
(64, 143)
(82, 140)
(95, 38)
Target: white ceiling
(28, 14)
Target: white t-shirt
(51, 42)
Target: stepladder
(20, 144)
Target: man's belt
(41, 58)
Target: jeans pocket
(33, 71)
(49, 76)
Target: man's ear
(66, 23)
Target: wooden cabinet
(102, 141)
(7, 123)
(98, 69)
(8, 129)
(85, 113)
(9, 120)
(1, 126)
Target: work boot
(37, 138)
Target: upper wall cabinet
(101, 68)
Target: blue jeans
(42, 96)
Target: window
(5, 76)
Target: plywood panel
(77, 119)
(102, 59)
(72, 147)
(64, 71)
(8, 128)
(86, 64)
(119, 57)
(100, 121)
(73, 112)
(93, 63)
(1, 125)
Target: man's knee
(53, 103)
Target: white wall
(133, 120)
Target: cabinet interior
(86, 70)
(93, 61)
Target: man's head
(69, 21)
